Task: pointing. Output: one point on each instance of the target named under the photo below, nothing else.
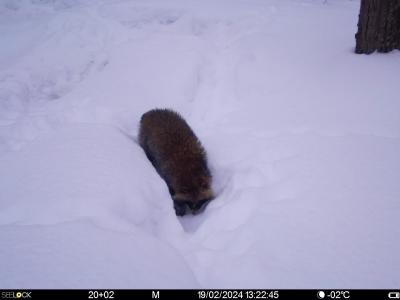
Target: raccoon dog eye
(189, 204)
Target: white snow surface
(302, 136)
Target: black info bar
(195, 294)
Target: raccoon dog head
(192, 198)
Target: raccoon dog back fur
(179, 158)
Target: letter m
(155, 295)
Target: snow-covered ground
(303, 139)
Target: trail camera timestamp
(232, 294)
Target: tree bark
(378, 26)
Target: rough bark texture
(378, 26)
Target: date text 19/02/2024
(250, 294)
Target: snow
(302, 137)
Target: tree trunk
(378, 26)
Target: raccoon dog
(179, 158)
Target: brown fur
(179, 158)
